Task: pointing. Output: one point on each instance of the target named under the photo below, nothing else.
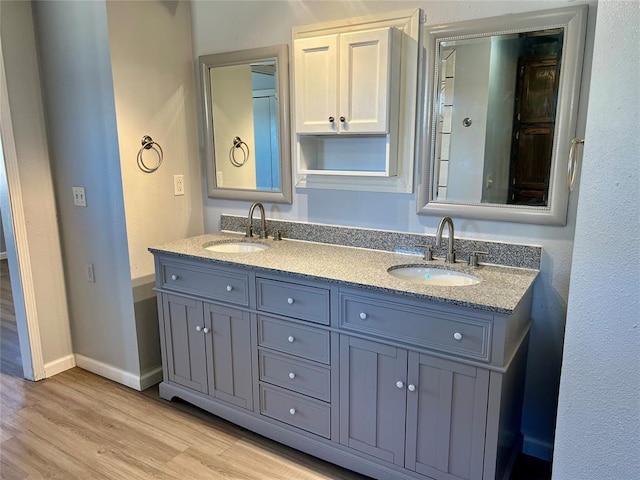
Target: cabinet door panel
(185, 344)
(229, 355)
(364, 81)
(316, 73)
(372, 407)
(446, 417)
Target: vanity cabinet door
(185, 342)
(228, 349)
(343, 82)
(316, 88)
(365, 69)
(446, 417)
(373, 398)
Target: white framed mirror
(500, 113)
(245, 97)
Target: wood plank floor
(77, 425)
(10, 361)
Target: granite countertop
(500, 290)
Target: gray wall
(598, 429)
(78, 91)
(213, 33)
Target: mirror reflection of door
(534, 124)
(265, 126)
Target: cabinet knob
(363, 315)
(229, 288)
(342, 119)
(174, 277)
(198, 328)
(331, 119)
(292, 411)
(290, 301)
(399, 384)
(292, 375)
(290, 339)
(412, 388)
(205, 330)
(457, 336)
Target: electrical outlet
(79, 198)
(178, 185)
(90, 274)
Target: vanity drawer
(296, 410)
(300, 340)
(302, 377)
(208, 282)
(303, 302)
(430, 328)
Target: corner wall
(80, 111)
(598, 428)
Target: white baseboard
(3, 255)
(537, 448)
(59, 365)
(137, 382)
(151, 378)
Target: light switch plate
(79, 197)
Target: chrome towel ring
(147, 144)
(238, 144)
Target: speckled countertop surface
(500, 290)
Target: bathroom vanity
(318, 347)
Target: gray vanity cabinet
(446, 417)
(388, 385)
(373, 398)
(420, 412)
(208, 348)
(186, 357)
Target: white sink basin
(236, 246)
(433, 276)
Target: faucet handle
(428, 251)
(278, 235)
(473, 257)
(248, 231)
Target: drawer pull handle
(198, 328)
(412, 388)
(292, 411)
(174, 277)
(457, 336)
(290, 339)
(205, 330)
(399, 384)
(292, 375)
(363, 315)
(229, 288)
(290, 301)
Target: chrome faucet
(451, 254)
(249, 232)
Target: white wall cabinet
(347, 83)
(347, 99)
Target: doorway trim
(16, 240)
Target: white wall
(155, 94)
(42, 245)
(470, 100)
(598, 428)
(213, 33)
